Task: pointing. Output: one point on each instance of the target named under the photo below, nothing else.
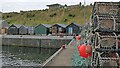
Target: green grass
(49, 16)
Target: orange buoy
(82, 51)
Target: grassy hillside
(49, 16)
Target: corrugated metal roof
(4, 23)
(62, 25)
(17, 25)
(47, 25)
(23, 26)
(75, 24)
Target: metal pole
(85, 23)
(84, 13)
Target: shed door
(70, 30)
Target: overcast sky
(25, 5)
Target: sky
(26, 5)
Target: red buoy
(82, 51)
(79, 37)
(64, 46)
(90, 54)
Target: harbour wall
(36, 41)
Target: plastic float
(85, 51)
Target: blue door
(70, 30)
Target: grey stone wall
(46, 43)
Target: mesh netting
(77, 59)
